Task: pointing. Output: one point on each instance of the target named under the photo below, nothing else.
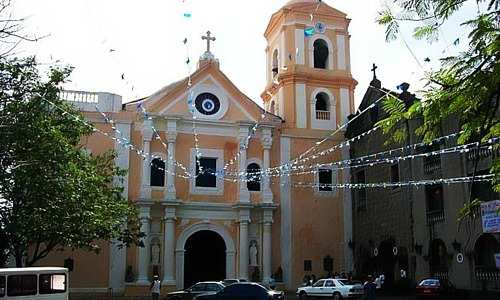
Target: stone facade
(416, 229)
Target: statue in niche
(253, 253)
(155, 254)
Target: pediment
(214, 96)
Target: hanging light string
(121, 140)
(302, 157)
(157, 136)
(191, 104)
(278, 172)
(390, 160)
(417, 183)
(250, 135)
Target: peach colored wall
(317, 221)
(90, 270)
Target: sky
(134, 48)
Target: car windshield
(429, 282)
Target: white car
(335, 288)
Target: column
(266, 252)
(169, 247)
(244, 194)
(143, 252)
(171, 138)
(244, 249)
(147, 134)
(267, 141)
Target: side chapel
(208, 227)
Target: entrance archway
(205, 257)
(438, 259)
(202, 236)
(387, 262)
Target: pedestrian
(155, 288)
(378, 283)
(313, 279)
(370, 288)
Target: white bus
(34, 283)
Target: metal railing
(434, 217)
(322, 115)
(432, 164)
(487, 274)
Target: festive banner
(490, 212)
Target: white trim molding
(330, 50)
(189, 231)
(219, 93)
(324, 124)
(218, 190)
(299, 47)
(341, 52)
(255, 160)
(286, 215)
(300, 105)
(335, 180)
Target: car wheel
(337, 296)
(302, 296)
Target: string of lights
(303, 157)
(412, 183)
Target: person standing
(370, 289)
(155, 288)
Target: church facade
(217, 182)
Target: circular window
(207, 104)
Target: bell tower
(309, 82)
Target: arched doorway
(189, 239)
(485, 249)
(387, 262)
(438, 259)
(205, 257)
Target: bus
(34, 283)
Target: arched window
(253, 177)
(484, 252)
(275, 66)
(322, 106)
(320, 54)
(157, 172)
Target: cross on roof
(374, 69)
(209, 39)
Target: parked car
(227, 282)
(335, 288)
(206, 287)
(244, 291)
(434, 288)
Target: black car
(244, 291)
(206, 287)
(227, 282)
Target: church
(217, 181)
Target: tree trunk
(19, 258)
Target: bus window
(2, 286)
(21, 285)
(52, 283)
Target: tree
(466, 86)
(53, 194)
(11, 30)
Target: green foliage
(466, 86)
(53, 194)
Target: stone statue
(155, 254)
(253, 254)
